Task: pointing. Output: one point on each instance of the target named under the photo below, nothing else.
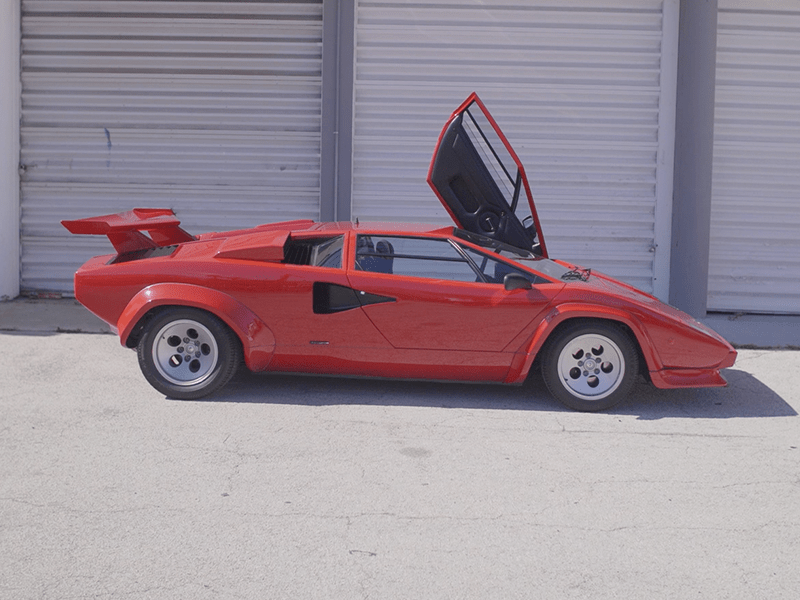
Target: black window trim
(516, 182)
(468, 258)
(535, 278)
(464, 256)
(473, 238)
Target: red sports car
(479, 301)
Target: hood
(481, 182)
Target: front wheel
(590, 366)
(187, 353)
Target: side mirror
(515, 281)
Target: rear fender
(258, 342)
(522, 364)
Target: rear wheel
(187, 353)
(590, 366)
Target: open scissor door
(480, 180)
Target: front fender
(577, 310)
(257, 339)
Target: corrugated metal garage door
(755, 210)
(209, 108)
(582, 89)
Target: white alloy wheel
(185, 352)
(188, 353)
(591, 366)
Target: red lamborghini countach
(478, 301)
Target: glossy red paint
(435, 330)
(304, 297)
(245, 324)
(124, 229)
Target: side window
(495, 270)
(328, 253)
(317, 252)
(412, 257)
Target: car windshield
(537, 263)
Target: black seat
(384, 262)
(379, 259)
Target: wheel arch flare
(564, 314)
(258, 341)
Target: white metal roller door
(577, 86)
(210, 108)
(755, 210)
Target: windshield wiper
(577, 273)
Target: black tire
(590, 365)
(188, 353)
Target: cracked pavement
(315, 487)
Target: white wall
(9, 147)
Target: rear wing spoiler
(124, 230)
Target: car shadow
(745, 396)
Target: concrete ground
(298, 487)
